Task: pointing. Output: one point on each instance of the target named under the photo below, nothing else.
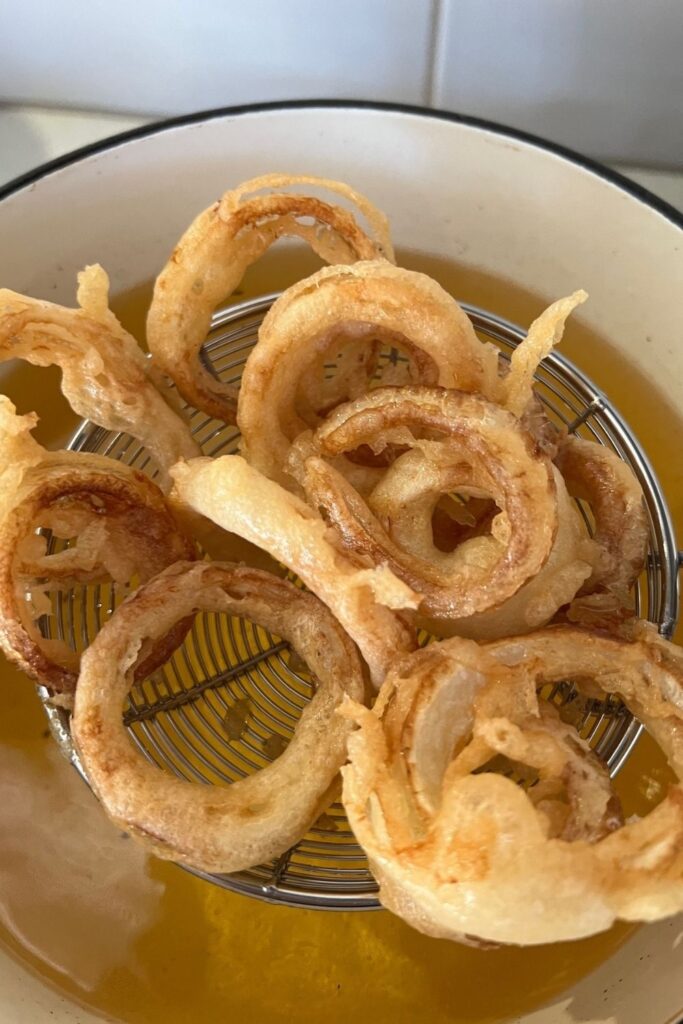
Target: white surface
(603, 77)
(30, 136)
(171, 56)
(571, 228)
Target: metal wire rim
(191, 717)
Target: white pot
(486, 196)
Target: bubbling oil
(176, 949)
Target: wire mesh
(227, 702)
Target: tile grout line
(434, 51)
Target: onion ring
(354, 352)
(377, 297)
(239, 499)
(104, 371)
(459, 854)
(472, 447)
(598, 476)
(256, 818)
(122, 527)
(213, 255)
(569, 564)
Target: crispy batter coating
(451, 442)
(119, 526)
(461, 851)
(237, 497)
(104, 372)
(213, 255)
(254, 819)
(597, 475)
(404, 306)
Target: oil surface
(143, 941)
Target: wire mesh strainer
(228, 700)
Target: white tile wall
(176, 56)
(603, 76)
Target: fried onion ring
(119, 525)
(213, 255)
(256, 818)
(239, 499)
(104, 371)
(383, 300)
(569, 564)
(598, 476)
(460, 851)
(471, 447)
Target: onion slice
(598, 476)
(461, 851)
(457, 443)
(104, 371)
(234, 495)
(516, 389)
(118, 525)
(385, 302)
(213, 255)
(256, 818)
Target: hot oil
(200, 954)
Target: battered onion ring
(104, 372)
(122, 526)
(598, 476)
(437, 336)
(259, 817)
(472, 447)
(569, 564)
(459, 854)
(213, 255)
(354, 352)
(238, 498)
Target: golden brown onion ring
(213, 255)
(547, 434)
(238, 498)
(460, 851)
(569, 564)
(119, 525)
(461, 443)
(435, 334)
(258, 817)
(104, 372)
(599, 477)
(353, 351)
